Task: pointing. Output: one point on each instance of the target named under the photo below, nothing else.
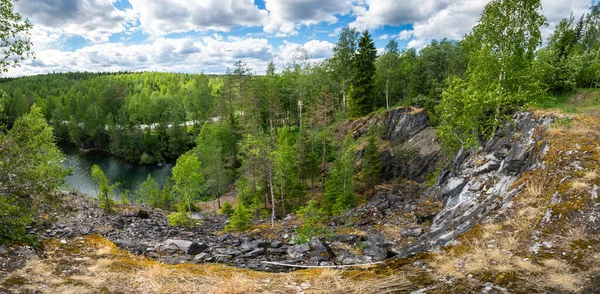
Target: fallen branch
(322, 266)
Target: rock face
(478, 183)
(412, 152)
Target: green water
(130, 175)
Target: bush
(312, 223)
(182, 219)
(14, 217)
(182, 206)
(227, 208)
(240, 219)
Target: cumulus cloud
(287, 16)
(211, 54)
(456, 19)
(160, 17)
(372, 14)
(94, 20)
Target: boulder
(412, 232)
(319, 250)
(119, 223)
(298, 251)
(189, 247)
(142, 214)
(376, 253)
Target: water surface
(130, 175)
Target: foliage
(30, 162)
(371, 171)
(362, 100)
(14, 36)
(15, 216)
(187, 179)
(500, 77)
(226, 208)
(182, 219)
(240, 219)
(105, 191)
(209, 151)
(312, 223)
(339, 194)
(149, 192)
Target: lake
(130, 175)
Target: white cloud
(160, 17)
(371, 14)
(384, 37)
(314, 50)
(455, 20)
(94, 20)
(287, 16)
(211, 54)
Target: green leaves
(187, 177)
(500, 76)
(362, 100)
(14, 36)
(339, 194)
(30, 166)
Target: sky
(208, 36)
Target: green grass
(581, 100)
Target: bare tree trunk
(387, 91)
(272, 197)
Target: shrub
(15, 216)
(240, 219)
(312, 223)
(227, 208)
(182, 219)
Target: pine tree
(149, 192)
(371, 172)
(361, 99)
(240, 219)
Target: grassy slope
(546, 241)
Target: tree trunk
(272, 198)
(387, 91)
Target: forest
(272, 135)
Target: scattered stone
(376, 253)
(142, 214)
(298, 251)
(319, 250)
(412, 232)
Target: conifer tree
(361, 99)
(371, 171)
(240, 218)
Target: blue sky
(210, 35)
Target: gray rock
(347, 238)
(378, 240)
(319, 250)
(202, 257)
(298, 251)
(376, 253)
(276, 244)
(189, 247)
(453, 187)
(256, 252)
(412, 232)
(142, 214)
(119, 223)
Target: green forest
(272, 135)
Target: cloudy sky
(210, 35)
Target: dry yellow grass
(591, 175)
(579, 186)
(108, 269)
